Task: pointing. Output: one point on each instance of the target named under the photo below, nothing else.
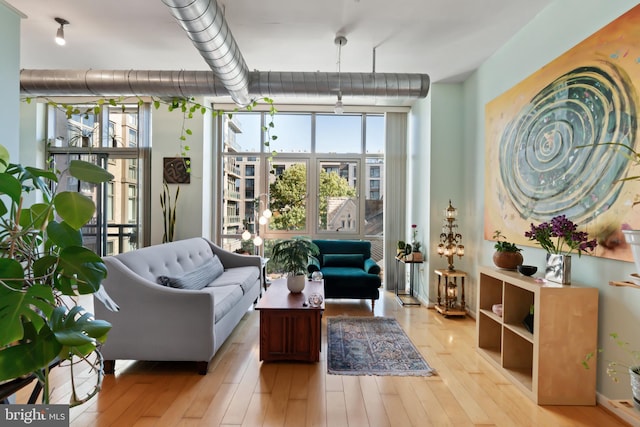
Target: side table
(448, 306)
(406, 298)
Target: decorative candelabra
(450, 240)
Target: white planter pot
(633, 238)
(296, 283)
(635, 385)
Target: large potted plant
(292, 256)
(43, 266)
(507, 254)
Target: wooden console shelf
(546, 364)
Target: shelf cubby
(544, 364)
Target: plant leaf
(63, 235)
(15, 304)
(88, 172)
(26, 357)
(10, 186)
(83, 264)
(74, 208)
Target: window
(109, 211)
(316, 183)
(338, 133)
(133, 169)
(115, 228)
(132, 204)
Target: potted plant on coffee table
(292, 256)
(507, 254)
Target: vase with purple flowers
(560, 238)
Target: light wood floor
(239, 390)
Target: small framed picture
(176, 170)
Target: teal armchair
(348, 269)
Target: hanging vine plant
(187, 106)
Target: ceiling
(446, 39)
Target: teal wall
(555, 30)
(10, 79)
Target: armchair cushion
(195, 279)
(344, 260)
(371, 267)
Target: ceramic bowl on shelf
(527, 270)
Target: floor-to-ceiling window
(116, 139)
(325, 180)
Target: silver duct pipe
(205, 25)
(204, 83)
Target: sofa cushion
(195, 279)
(245, 277)
(225, 298)
(344, 260)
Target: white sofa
(161, 322)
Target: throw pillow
(343, 260)
(195, 279)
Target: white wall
(438, 174)
(556, 29)
(193, 207)
(10, 79)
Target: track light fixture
(340, 41)
(60, 33)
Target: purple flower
(560, 236)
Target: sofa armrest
(314, 264)
(232, 259)
(371, 267)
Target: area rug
(372, 346)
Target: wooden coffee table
(290, 330)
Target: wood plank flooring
(239, 390)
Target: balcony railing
(122, 232)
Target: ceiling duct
(205, 25)
(205, 83)
(204, 22)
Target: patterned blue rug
(372, 346)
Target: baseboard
(628, 415)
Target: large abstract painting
(548, 142)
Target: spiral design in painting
(553, 155)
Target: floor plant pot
(507, 260)
(558, 269)
(295, 283)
